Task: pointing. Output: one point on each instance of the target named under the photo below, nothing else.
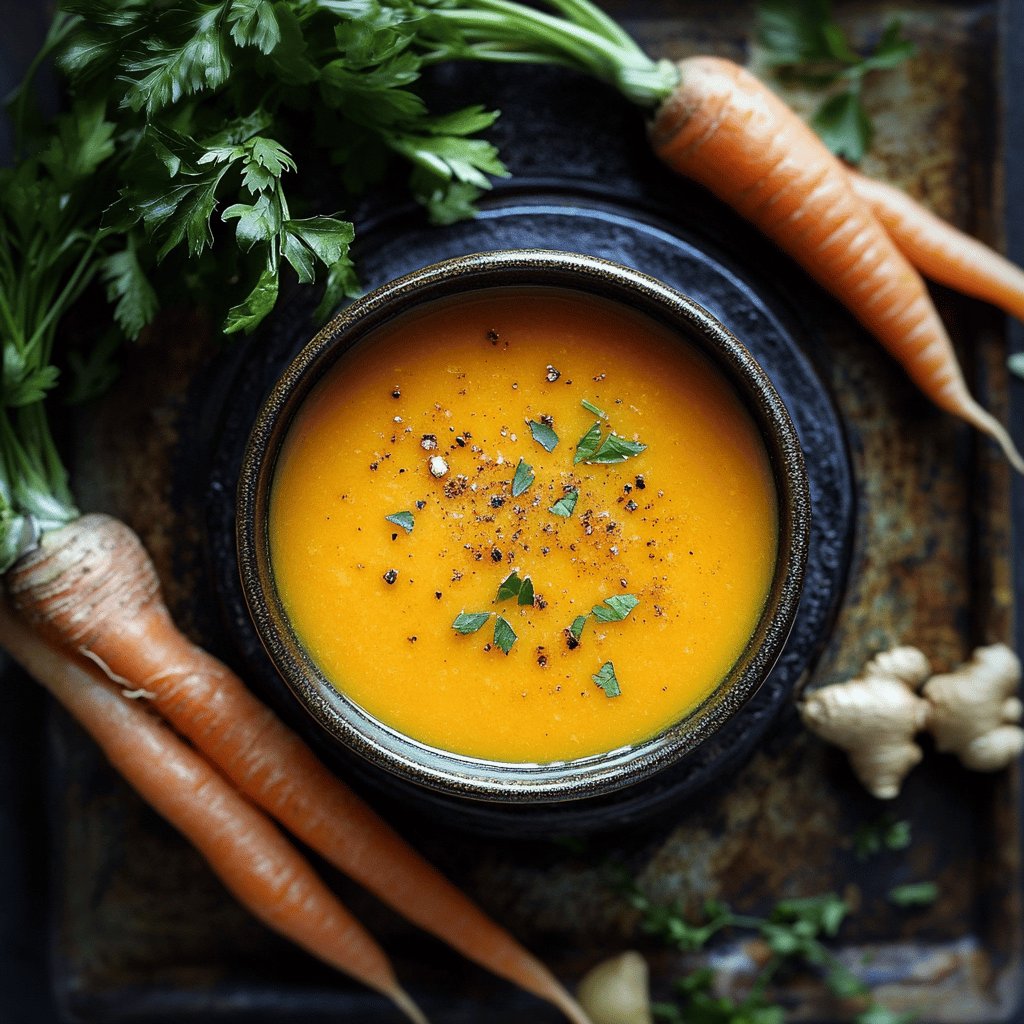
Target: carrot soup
(524, 525)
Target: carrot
(940, 251)
(728, 131)
(241, 845)
(91, 589)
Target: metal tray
(117, 920)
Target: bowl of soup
(523, 526)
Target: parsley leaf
(614, 608)
(526, 591)
(543, 435)
(128, 289)
(504, 634)
(523, 478)
(803, 39)
(590, 407)
(469, 622)
(566, 504)
(405, 520)
(576, 629)
(605, 678)
(587, 445)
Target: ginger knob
(616, 991)
(874, 718)
(974, 711)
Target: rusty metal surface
(142, 932)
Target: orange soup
(526, 525)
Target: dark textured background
(134, 928)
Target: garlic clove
(616, 991)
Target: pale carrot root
(942, 252)
(128, 629)
(728, 131)
(241, 845)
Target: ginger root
(616, 991)
(974, 711)
(874, 718)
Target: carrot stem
(240, 843)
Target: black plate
(756, 314)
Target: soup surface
(428, 422)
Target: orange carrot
(91, 589)
(728, 131)
(240, 843)
(942, 252)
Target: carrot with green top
(725, 129)
(264, 872)
(715, 123)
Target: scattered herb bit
(885, 833)
(616, 449)
(590, 407)
(504, 634)
(523, 478)
(390, 576)
(469, 622)
(1016, 364)
(576, 629)
(605, 678)
(512, 586)
(565, 504)
(403, 519)
(914, 894)
(587, 445)
(802, 38)
(543, 435)
(614, 608)
(509, 587)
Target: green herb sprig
(803, 40)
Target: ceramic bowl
(458, 776)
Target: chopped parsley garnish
(403, 519)
(613, 449)
(523, 478)
(605, 678)
(588, 444)
(504, 634)
(576, 629)
(543, 435)
(512, 586)
(469, 622)
(617, 449)
(590, 407)
(614, 608)
(565, 504)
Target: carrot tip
(404, 1002)
(988, 424)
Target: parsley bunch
(796, 935)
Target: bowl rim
(477, 778)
